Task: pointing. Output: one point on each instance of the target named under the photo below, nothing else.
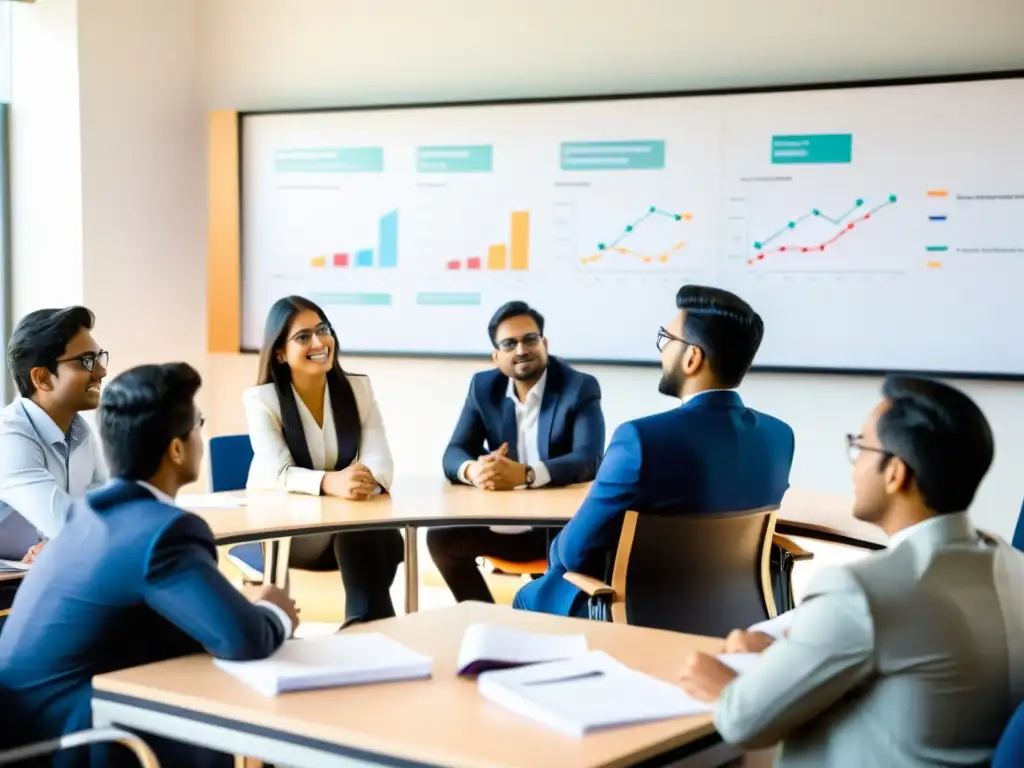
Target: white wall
(261, 54)
(143, 139)
(135, 159)
(46, 161)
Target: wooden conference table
(428, 502)
(443, 721)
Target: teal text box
(812, 148)
(448, 299)
(477, 158)
(330, 160)
(641, 155)
(353, 299)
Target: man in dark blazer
(533, 422)
(711, 454)
(131, 579)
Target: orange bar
(521, 240)
(496, 257)
(318, 261)
(933, 264)
(938, 193)
(223, 236)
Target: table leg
(284, 549)
(412, 571)
(269, 557)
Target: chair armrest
(795, 550)
(143, 754)
(588, 584)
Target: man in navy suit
(712, 454)
(533, 422)
(131, 579)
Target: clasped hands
(704, 677)
(495, 471)
(355, 482)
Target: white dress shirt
(282, 617)
(42, 472)
(688, 398)
(273, 467)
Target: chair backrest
(704, 574)
(1010, 750)
(230, 457)
(1018, 535)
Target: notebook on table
(586, 693)
(490, 646)
(331, 661)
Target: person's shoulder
(265, 394)
(13, 419)
(767, 421)
(484, 381)
(573, 376)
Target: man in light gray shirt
(48, 454)
(913, 656)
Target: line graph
(844, 221)
(617, 246)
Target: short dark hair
(142, 411)
(509, 310)
(40, 338)
(941, 435)
(725, 327)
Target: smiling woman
(316, 429)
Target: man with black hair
(532, 422)
(711, 454)
(132, 579)
(48, 455)
(913, 656)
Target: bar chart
(513, 255)
(385, 256)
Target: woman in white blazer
(316, 429)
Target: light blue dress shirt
(42, 472)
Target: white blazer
(273, 467)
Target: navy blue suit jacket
(129, 580)
(711, 454)
(1018, 533)
(570, 430)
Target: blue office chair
(1010, 750)
(1018, 535)
(230, 457)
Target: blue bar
(364, 258)
(613, 155)
(936, 218)
(330, 160)
(448, 299)
(352, 299)
(388, 244)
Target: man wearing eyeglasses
(913, 656)
(48, 454)
(533, 422)
(711, 454)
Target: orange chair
(531, 568)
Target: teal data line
(652, 211)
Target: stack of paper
(585, 694)
(331, 661)
(489, 646)
(194, 501)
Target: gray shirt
(42, 471)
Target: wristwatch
(531, 476)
